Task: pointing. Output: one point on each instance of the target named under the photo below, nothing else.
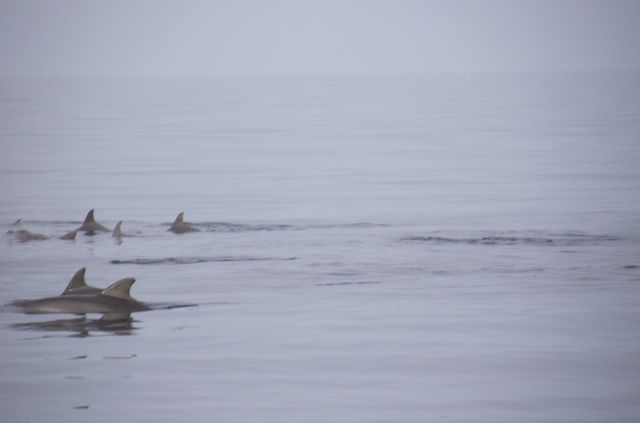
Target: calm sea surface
(450, 248)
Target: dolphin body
(114, 301)
(90, 226)
(24, 235)
(179, 227)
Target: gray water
(455, 248)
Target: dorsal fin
(119, 289)
(179, 219)
(117, 231)
(69, 235)
(76, 282)
(90, 218)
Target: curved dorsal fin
(119, 289)
(179, 219)
(69, 235)
(76, 282)
(90, 218)
(117, 231)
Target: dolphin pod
(114, 302)
(91, 227)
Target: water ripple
(246, 227)
(567, 239)
(192, 260)
(348, 283)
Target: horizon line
(318, 74)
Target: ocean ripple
(566, 239)
(192, 260)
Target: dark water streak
(194, 260)
(551, 240)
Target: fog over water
(408, 211)
(145, 37)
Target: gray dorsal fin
(90, 218)
(69, 235)
(117, 231)
(119, 289)
(179, 219)
(76, 282)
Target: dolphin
(179, 227)
(118, 234)
(78, 286)
(115, 301)
(24, 235)
(90, 226)
(70, 236)
(117, 231)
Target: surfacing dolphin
(179, 227)
(78, 286)
(70, 236)
(90, 226)
(23, 235)
(117, 231)
(114, 301)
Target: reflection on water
(82, 327)
(112, 323)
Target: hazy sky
(187, 37)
